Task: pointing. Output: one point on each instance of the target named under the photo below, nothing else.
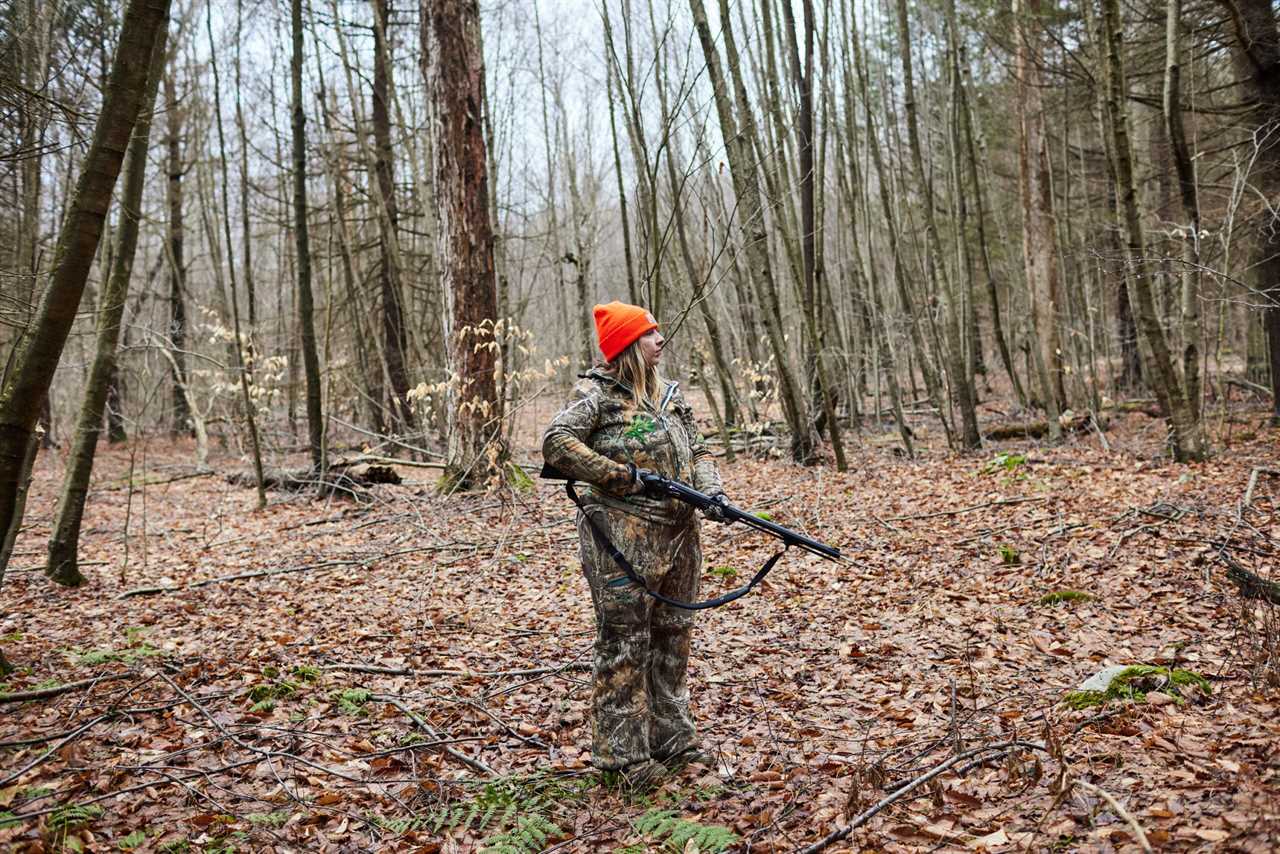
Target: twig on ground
(1253, 482)
(240, 576)
(422, 724)
(484, 674)
(1120, 811)
(1000, 502)
(54, 691)
(161, 482)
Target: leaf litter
(420, 677)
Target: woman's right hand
(626, 482)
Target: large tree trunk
(453, 66)
(395, 338)
(750, 212)
(28, 384)
(1186, 435)
(310, 359)
(64, 541)
(1257, 60)
(1039, 234)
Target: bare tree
(1161, 373)
(453, 66)
(310, 358)
(1257, 60)
(64, 542)
(27, 384)
(394, 336)
(1039, 236)
(746, 183)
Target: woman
(623, 417)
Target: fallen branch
(1250, 584)
(385, 461)
(162, 482)
(908, 787)
(261, 573)
(1253, 482)
(421, 723)
(997, 503)
(1040, 429)
(1260, 390)
(1120, 811)
(485, 674)
(45, 693)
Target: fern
(529, 836)
(678, 832)
(72, 816)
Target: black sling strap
(614, 552)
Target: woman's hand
(626, 482)
(715, 512)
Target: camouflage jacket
(602, 429)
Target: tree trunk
(177, 261)
(802, 79)
(394, 336)
(1257, 61)
(957, 365)
(1186, 436)
(1190, 229)
(453, 67)
(246, 232)
(238, 345)
(310, 359)
(28, 383)
(1039, 234)
(64, 541)
(750, 212)
(633, 292)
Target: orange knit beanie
(618, 324)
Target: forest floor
(415, 672)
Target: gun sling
(619, 558)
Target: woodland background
(987, 295)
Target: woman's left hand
(715, 512)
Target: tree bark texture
(750, 213)
(310, 358)
(1161, 374)
(1039, 232)
(394, 336)
(1257, 61)
(64, 541)
(453, 66)
(177, 261)
(1187, 191)
(28, 384)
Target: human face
(651, 347)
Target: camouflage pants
(640, 693)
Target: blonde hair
(632, 369)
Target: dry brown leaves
(238, 727)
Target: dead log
(1251, 585)
(1038, 429)
(350, 482)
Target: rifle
(658, 486)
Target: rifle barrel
(700, 500)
